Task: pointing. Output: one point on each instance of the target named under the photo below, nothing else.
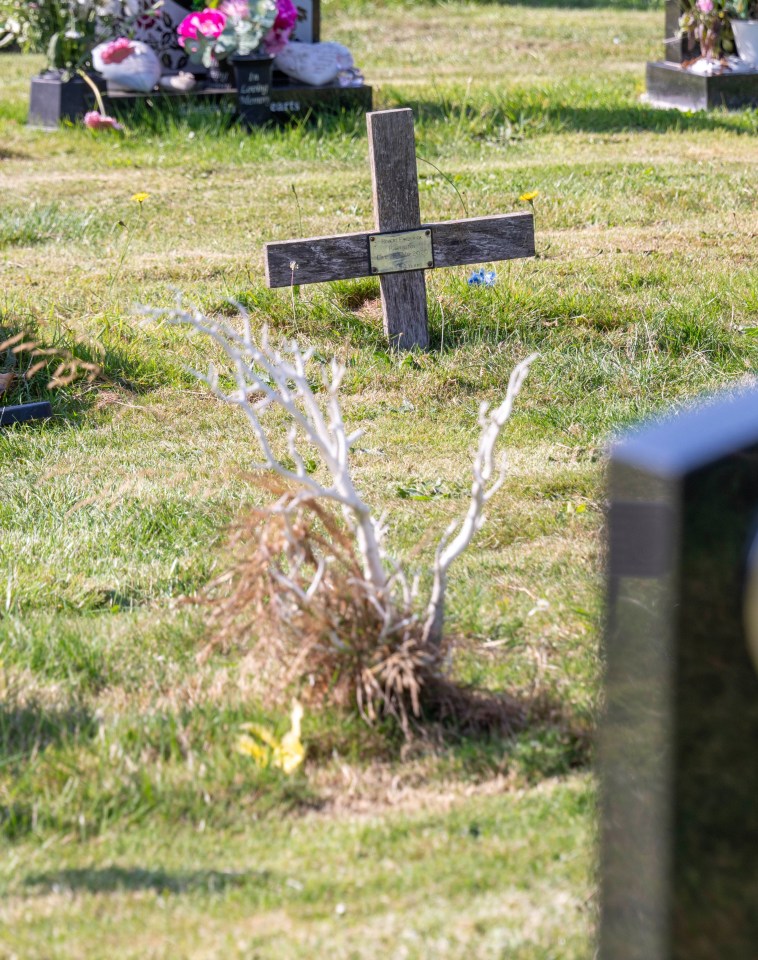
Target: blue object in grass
(482, 278)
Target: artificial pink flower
(278, 36)
(117, 50)
(209, 23)
(237, 9)
(705, 6)
(96, 121)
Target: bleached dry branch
(483, 487)
(267, 376)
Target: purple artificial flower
(278, 36)
(235, 9)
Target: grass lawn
(129, 825)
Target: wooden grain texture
(454, 242)
(404, 308)
(392, 155)
(318, 259)
(483, 239)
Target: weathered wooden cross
(402, 248)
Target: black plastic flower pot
(253, 79)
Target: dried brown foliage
(297, 602)
(69, 367)
(6, 382)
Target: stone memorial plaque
(308, 26)
(679, 740)
(396, 252)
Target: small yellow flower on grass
(529, 197)
(140, 197)
(287, 754)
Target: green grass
(417, 885)
(129, 825)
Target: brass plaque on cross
(398, 252)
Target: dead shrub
(297, 602)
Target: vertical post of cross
(392, 155)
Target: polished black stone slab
(53, 101)
(679, 739)
(25, 412)
(669, 84)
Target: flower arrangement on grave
(237, 28)
(706, 22)
(130, 64)
(66, 30)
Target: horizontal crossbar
(454, 243)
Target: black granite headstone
(679, 742)
(669, 84)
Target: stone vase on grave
(746, 40)
(253, 81)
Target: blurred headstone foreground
(679, 742)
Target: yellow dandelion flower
(140, 197)
(529, 197)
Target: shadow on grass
(341, 310)
(533, 738)
(27, 729)
(6, 154)
(133, 879)
(562, 117)
(37, 366)
(471, 732)
(169, 116)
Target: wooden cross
(402, 248)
